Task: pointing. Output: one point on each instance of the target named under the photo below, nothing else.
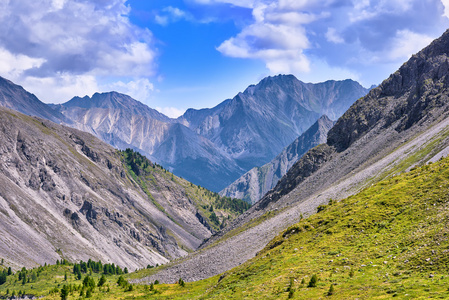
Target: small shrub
(313, 281)
(181, 282)
(291, 288)
(331, 290)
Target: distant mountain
(124, 122)
(257, 124)
(254, 184)
(17, 98)
(66, 194)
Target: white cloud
(58, 48)
(59, 89)
(140, 89)
(12, 65)
(277, 37)
(325, 72)
(289, 36)
(171, 112)
(172, 14)
(407, 43)
(333, 36)
(446, 7)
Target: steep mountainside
(254, 184)
(124, 122)
(278, 110)
(401, 123)
(15, 97)
(66, 194)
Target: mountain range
(363, 213)
(213, 147)
(65, 194)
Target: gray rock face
(401, 123)
(254, 184)
(257, 124)
(126, 123)
(406, 96)
(63, 189)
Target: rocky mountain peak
(420, 85)
(116, 101)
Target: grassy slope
(389, 240)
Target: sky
(179, 54)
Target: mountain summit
(257, 124)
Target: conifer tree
(102, 281)
(313, 281)
(2, 278)
(331, 290)
(64, 292)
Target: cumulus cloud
(333, 36)
(72, 42)
(288, 35)
(276, 37)
(446, 7)
(58, 89)
(407, 43)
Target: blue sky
(177, 54)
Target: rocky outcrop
(254, 184)
(407, 96)
(312, 161)
(63, 189)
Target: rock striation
(127, 123)
(66, 194)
